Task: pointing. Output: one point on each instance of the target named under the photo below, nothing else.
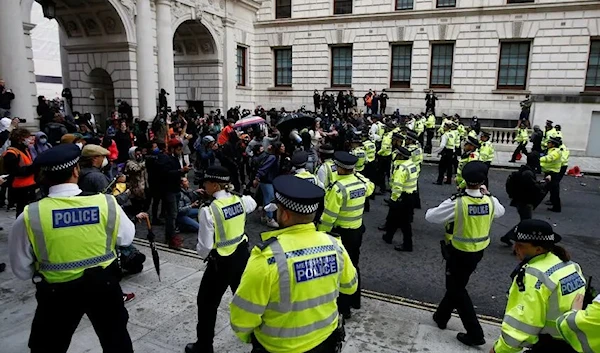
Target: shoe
(441, 325)
(176, 242)
(272, 223)
(355, 306)
(382, 228)
(127, 297)
(506, 241)
(195, 348)
(347, 315)
(463, 338)
(548, 203)
(387, 240)
(552, 209)
(402, 248)
(2, 267)
(157, 222)
(437, 183)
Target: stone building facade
(482, 57)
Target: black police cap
(217, 174)
(473, 141)
(299, 159)
(344, 160)
(61, 157)
(474, 172)
(534, 230)
(297, 195)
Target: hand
(195, 204)
(201, 191)
(548, 178)
(142, 215)
(255, 183)
(185, 169)
(2, 181)
(484, 190)
(578, 302)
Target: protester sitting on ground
(189, 201)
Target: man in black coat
(430, 99)
(317, 101)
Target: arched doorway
(198, 69)
(102, 97)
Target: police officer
(446, 150)
(416, 155)
(370, 165)
(400, 214)
(469, 154)
(221, 240)
(420, 128)
(468, 217)
(327, 171)
(344, 206)
(429, 130)
(549, 132)
(486, 149)
(384, 158)
(544, 286)
(66, 244)
(551, 164)
(356, 149)
(522, 139)
(299, 160)
(286, 301)
(580, 327)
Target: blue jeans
(268, 195)
(189, 219)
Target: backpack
(2, 169)
(512, 184)
(55, 133)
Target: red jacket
(114, 152)
(224, 135)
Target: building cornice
(198, 63)
(100, 48)
(434, 13)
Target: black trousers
(157, 200)
(400, 215)
(428, 145)
(60, 308)
(352, 240)
(171, 202)
(459, 267)
(457, 153)
(554, 189)
(445, 166)
(525, 211)
(520, 149)
(221, 272)
(383, 170)
(328, 346)
(23, 197)
(547, 344)
(421, 138)
(486, 182)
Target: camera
(22, 121)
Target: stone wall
(560, 40)
(199, 80)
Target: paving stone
(169, 274)
(163, 305)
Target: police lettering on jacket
(315, 268)
(354, 194)
(233, 211)
(72, 217)
(479, 210)
(571, 283)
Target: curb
(388, 298)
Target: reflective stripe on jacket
(470, 229)
(345, 201)
(229, 218)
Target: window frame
(448, 86)
(276, 67)
(343, 13)
(244, 66)
(412, 6)
(332, 48)
(437, 4)
(278, 6)
(593, 88)
(526, 76)
(400, 84)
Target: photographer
(6, 97)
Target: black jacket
(536, 139)
(529, 192)
(5, 99)
(169, 173)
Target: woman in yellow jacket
(581, 328)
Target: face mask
(43, 141)
(104, 162)
(80, 145)
(156, 150)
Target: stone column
(229, 66)
(164, 37)
(145, 61)
(14, 66)
(64, 65)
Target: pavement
(163, 316)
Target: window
(512, 71)
(241, 66)
(446, 3)
(341, 66)
(519, 1)
(441, 65)
(341, 7)
(404, 4)
(592, 80)
(283, 8)
(401, 65)
(283, 67)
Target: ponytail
(228, 187)
(561, 253)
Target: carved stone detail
(130, 8)
(178, 10)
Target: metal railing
(499, 135)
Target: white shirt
(206, 232)
(373, 136)
(443, 143)
(302, 170)
(445, 211)
(20, 249)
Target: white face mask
(43, 141)
(80, 145)
(104, 162)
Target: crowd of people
(311, 183)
